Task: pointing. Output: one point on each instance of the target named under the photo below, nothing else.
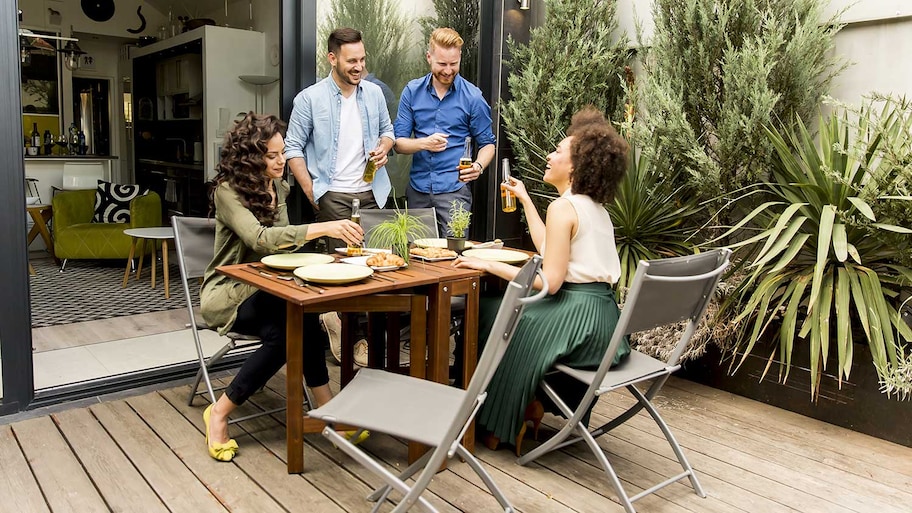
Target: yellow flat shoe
(219, 452)
(362, 435)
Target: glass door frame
(15, 324)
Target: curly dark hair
(598, 154)
(241, 163)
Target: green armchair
(76, 236)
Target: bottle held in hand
(465, 162)
(355, 249)
(507, 199)
(370, 169)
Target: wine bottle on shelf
(48, 142)
(358, 248)
(507, 199)
(36, 136)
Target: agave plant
(649, 217)
(820, 265)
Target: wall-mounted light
(524, 5)
(72, 54)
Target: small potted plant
(457, 226)
(396, 232)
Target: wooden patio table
(438, 281)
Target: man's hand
(470, 173)
(436, 142)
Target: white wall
(875, 42)
(36, 14)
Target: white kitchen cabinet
(208, 79)
(182, 74)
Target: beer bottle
(507, 199)
(355, 249)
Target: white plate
(333, 273)
(344, 251)
(362, 260)
(497, 255)
(436, 243)
(429, 259)
(295, 260)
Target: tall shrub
(574, 59)
(717, 71)
(386, 38)
(463, 17)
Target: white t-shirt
(351, 157)
(593, 252)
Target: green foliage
(386, 38)
(574, 59)
(649, 216)
(463, 17)
(819, 267)
(460, 219)
(717, 71)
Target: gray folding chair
(665, 291)
(431, 413)
(194, 242)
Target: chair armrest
(145, 211)
(73, 207)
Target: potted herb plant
(457, 226)
(396, 232)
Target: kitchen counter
(196, 166)
(70, 157)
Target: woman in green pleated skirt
(574, 323)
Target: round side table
(143, 235)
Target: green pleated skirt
(573, 326)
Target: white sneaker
(361, 353)
(332, 325)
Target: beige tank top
(593, 253)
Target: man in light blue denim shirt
(336, 125)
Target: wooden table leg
(165, 267)
(129, 261)
(154, 259)
(41, 216)
(142, 254)
(294, 388)
(417, 354)
(470, 351)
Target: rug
(90, 290)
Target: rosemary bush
(574, 59)
(717, 71)
(460, 219)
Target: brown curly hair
(598, 154)
(241, 164)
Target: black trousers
(263, 315)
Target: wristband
(480, 167)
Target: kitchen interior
(135, 91)
(140, 91)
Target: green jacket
(240, 238)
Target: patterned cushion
(112, 202)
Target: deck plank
(177, 487)
(149, 450)
(57, 471)
(121, 485)
(815, 479)
(18, 487)
(229, 483)
(259, 462)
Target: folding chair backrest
(668, 291)
(194, 241)
(515, 298)
(371, 217)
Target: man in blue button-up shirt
(336, 125)
(436, 113)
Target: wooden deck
(146, 453)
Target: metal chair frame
(665, 291)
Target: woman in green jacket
(251, 222)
